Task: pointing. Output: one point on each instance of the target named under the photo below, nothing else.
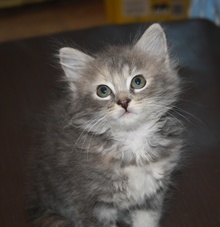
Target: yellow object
(126, 11)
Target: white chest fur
(135, 144)
(145, 178)
(142, 182)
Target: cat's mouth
(127, 114)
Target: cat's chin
(128, 119)
(127, 115)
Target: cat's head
(124, 87)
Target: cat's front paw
(145, 218)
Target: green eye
(103, 91)
(138, 82)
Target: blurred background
(28, 18)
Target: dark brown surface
(29, 71)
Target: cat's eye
(138, 82)
(103, 91)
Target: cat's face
(122, 88)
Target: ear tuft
(153, 42)
(73, 61)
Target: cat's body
(111, 145)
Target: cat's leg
(106, 216)
(149, 213)
(145, 218)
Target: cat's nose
(124, 103)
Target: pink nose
(124, 103)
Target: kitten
(111, 144)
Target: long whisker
(170, 108)
(89, 124)
(178, 121)
(190, 114)
(90, 129)
(94, 133)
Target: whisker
(178, 121)
(90, 129)
(94, 133)
(89, 124)
(192, 115)
(170, 108)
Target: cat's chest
(142, 181)
(134, 145)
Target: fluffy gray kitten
(111, 144)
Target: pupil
(138, 81)
(104, 90)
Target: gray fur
(96, 167)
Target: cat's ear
(154, 42)
(73, 61)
